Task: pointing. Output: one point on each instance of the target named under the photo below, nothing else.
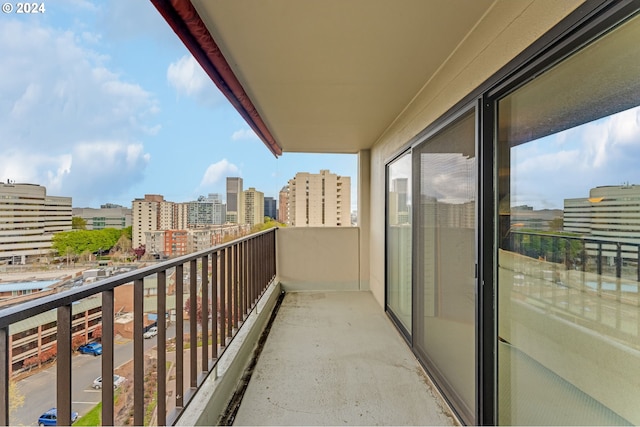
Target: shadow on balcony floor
(333, 358)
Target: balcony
(329, 342)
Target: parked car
(152, 332)
(117, 382)
(50, 418)
(91, 348)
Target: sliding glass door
(569, 239)
(445, 182)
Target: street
(39, 389)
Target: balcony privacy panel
(444, 335)
(568, 318)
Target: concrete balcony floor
(334, 358)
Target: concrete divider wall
(318, 258)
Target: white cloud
(69, 122)
(569, 164)
(218, 171)
(244, 134)
(189, 79)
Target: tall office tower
(28, 220)
(108, 216)
(234, 193)
(317, 200)
(270, 208)
(283, 205)
(252, 207)
(151, 214)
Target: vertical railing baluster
(245, 278)
(241, 282)
(138, 352)
(161, 408)
(273, 253)
(229, 313)
(222, 299)
(4, 376)
(236, 301)
(214, 305)
(63, 365)
(263, 262)
(107, 355)
(252, 270)
(179, 336)
(193, 323)
(205, 314)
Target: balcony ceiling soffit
(332, 76)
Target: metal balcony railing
(233, 277)
(593, 283)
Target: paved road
(39, 389)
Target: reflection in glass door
(399, 240)
(569, 240)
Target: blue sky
(100, 101)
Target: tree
(69, 253)
(123, 244)
(187, 308)
(128, 231)
(85, 240)
(97, 332)
(556, 224)
(78, 223)
(16, 399)
(139, 252)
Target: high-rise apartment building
(107, 216)
(317, 200)
(181, 215)
(150, 214)
(206, 211)
(283, 205)
(252, 207)
(234, 195)
(28, 220)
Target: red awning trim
(183, 18)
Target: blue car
(91, 348)
(50, 418)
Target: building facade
(270, 208)
(206, 211)
(318, 200)
(283, 205)
(234, 203)
(28, 220)
(252, 208)
(151, 213)
(107, 216)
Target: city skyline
(85, 115)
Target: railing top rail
(590, 239)
(25, 310)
